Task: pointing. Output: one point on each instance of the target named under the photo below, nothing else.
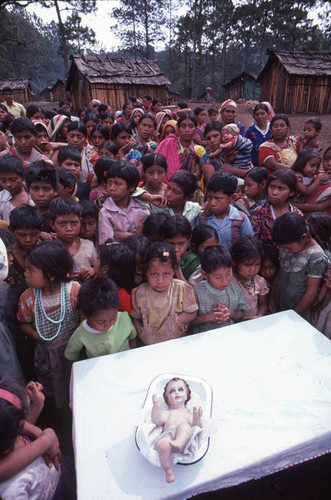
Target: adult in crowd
(259, 132)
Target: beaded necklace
(250, 287)
(39, 302)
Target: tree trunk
(64, 50)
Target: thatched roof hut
(243, 86)
(297, 81)
(21, 88)
(113, 80)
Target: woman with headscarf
(228, 111)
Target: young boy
(14, 193)
(41, 181)
(89, 226)
(213, 114)
(229, 223)
(220, 301)
(105, 330)
(70, 158)
(67, 184)
(177, 232)
(309, 138)
(121, 216)
(179, 192)
(65, 215)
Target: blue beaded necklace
(39, 300)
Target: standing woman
(228, 111)
(259, 132)
(281, 150)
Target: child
(199, 137)
(89, 224)
(105, 330)
(229, 223)
(47, 313)
(309, 138)
(67, 184)
(320, 228)
(281, 188)
(302, 266)
(213, 114)
(162, 307)
(233, 141)
(70, 158)
(153, 227)
(179, 192)
(177, 232)
(49, 149)
(177, 422)
(41, 181)
(154, 169)
(121, 216)
(65, 215)
(99, 194)
(246, 257)
(24, 133)
(108, 119)
(139, 244)
(142, 140)
(121, 135)
(269, 263)
(99, 135)
(76, 138)
(320, 199)
(219, 299)
(202, 237)
(306, 168)
(255, 183)
(14, 193)
(109, 148)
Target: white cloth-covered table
(271, 408)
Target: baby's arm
(216, 153)
(159, 417)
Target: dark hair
(64, 112)
(32, 109)
(304, 157)
(92, 117)
(326, 151)
(68, 152)
(213, 125)
(287, 177)
(257, 174)
(41, 128)
(147, 97)
(289, 228)
(246, 249)
(200, 234)
(153, 225)
(121, 263)
(146, 116)
(212, 110)
(186, 116)
(187, 182)
(271, 253)
(119, 127)
(160, 251)
(176, 379)
(215, 257)
(63, 103)
(41, 171)
(198, 110)
(177, 225)
(79, 126)
(181, 104)
(3, 107)
(222, 181)
(65, 177)
(8, 120)
(102, 108)
(53, 259)
(260, 105)
(11, 164)
(102, 129)
(50, 113)
(83, 109)
(25, 216)
(64, 206)
(101, 167)
(21, 124)
(280, 116)
(96, 295)
(11, 417)
(89, 209)
(7, 237)
(108, 114)
(6, 89)
(154, 159)
(126, 171)
(320, 229)
(126, 104)
(111, 147)
(138, 243)
(316, 122)
(156, 101)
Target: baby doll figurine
(177, 422)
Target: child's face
(108, 122)
(246, 270)
(105, 152)
(42, 140)
(72, 165)
(122, 139)
(97, 139)
(146, 129)
(226, 136)
(311, 167)
(24, 141)
(327, 162)
(42, 193)
(67, 227)
(154, 176)
(186, 130)
(89, 125)
(278, 192)
(76, 139)
(175, 195)
(12, 182)
(213, 139)
(26, 238)
(34, 277)
(176, 394)
(253, 189)
(201, 118)
(159, 275)
(213, 116)
(98, 268)
(207, 243)
(296, 246)
(169, 130)
(179, 244)
(137, 117)
(117, 189)
(218, 202)
(309, 131)
(103, 320)
(65, 192)
(268, 270)
(88, 228)
(220, 278)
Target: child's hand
(53, 453)
(302, 139)
(10, 280)
(125, 149)
(158, 200)
(74, 275)
(206, 210)
(86, 273)
(324, 178)
(156, 400)
(34, 391)
(47, 236)
(222, 314)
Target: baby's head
(216, 266)
(229, 132)
(176, 385)
(312, 128)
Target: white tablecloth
(272, 408)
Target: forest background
(197, 43)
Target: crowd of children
(131, 229)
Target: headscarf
(228, 102)
(271, 112)
(232, 128)
(40, 122)
(55, 126)
(133, 114)
(159, 118)
(170, 123)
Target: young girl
(58, 128)
(199, 136)
(255, 183)
(121, 135)
(142, 140)
(320, 199)
(108, 119)
(162, 307)
(306, 168)
(269, 264)
(302, 266)
(136, 114)
(281, 187)
(99, 194)
(246, 256)
(90, 121)
(99, 135)
(203, 236)
(155, 169)
(47, 313)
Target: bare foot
(197, 414)
(170, 476)
(176, 446)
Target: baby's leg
(182, 437)
(197, 414)
(165, 455)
